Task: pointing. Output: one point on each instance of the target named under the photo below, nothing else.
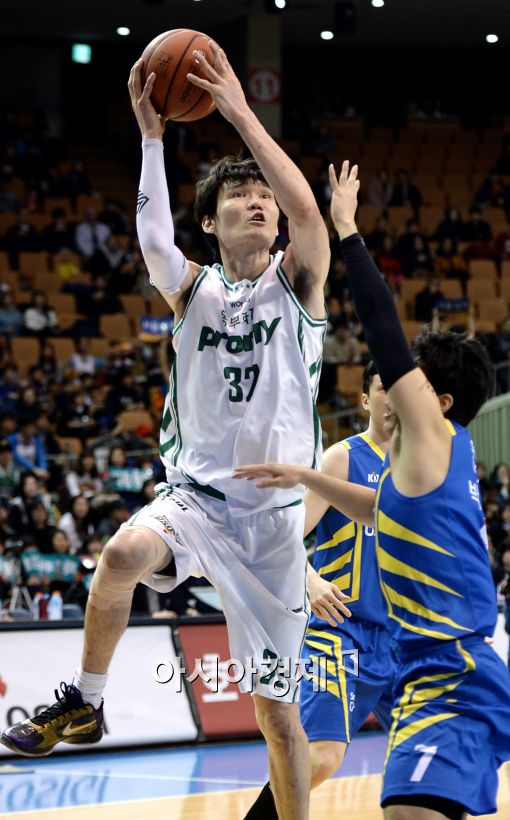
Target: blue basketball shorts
(350, 672)
(451, 725)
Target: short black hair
(229, 169)
(458, 365)
(369, 371)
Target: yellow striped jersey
(345, 551)
(432, 554)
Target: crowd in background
(56, 513)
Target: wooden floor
(353, 798)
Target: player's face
(377, 403)
(246, 216)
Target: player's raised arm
(169, 270)
(355, 501)
(424, 436)
(309, 238)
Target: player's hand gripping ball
(170, 57)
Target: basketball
(170, 57)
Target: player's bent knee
(127, 558)
(127, 550)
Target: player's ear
(445, 402)
(364, 401)
(209, 224)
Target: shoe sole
(95, 737)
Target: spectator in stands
(85, 479)
(9, 393)
(52, 448)
(406, 240)
(28, 450)
(8, 571)
(39, 318)
(334, 306)
(340, 347)
(76, 181)
(321, 190)
(114, 216)
(483, 477)
(77, 523)
(125, 478)
(349, 317)
(107, 258)
(66, 265)
(451, 227)
(57, 236)
(7, 531)
(99, 301)
(449, 263)
(53, 570)
(22, 236)
(9, 473)
(125, 395)
(10, 203)
(8, 422)
(405, 193)
(417, 261)
(10, 317)
(39, 530)
(83, 361)
(389, 264)
(131, 270)
(493, 192)
(500, 480)
(78, 417)
(118, 514)
(477, 230)
(426, 300)
(337, 280)
(48, 361)
(31, 492)
(28, 406)
(379, 190)
(374, 240)
(89, 234)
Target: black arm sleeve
(377, 313)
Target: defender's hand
(344, 200)
(221, 83)
(283, 476)
(326, 601)
(150, 123)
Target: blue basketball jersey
(345, 551)
(432, 555)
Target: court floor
(217, 781)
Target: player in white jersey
(248, 342)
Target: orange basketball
(170, 57)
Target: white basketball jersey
(243, 387)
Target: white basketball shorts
(256, 563)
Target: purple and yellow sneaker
(69, 720)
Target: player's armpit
(307, 272)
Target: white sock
(90, 685)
